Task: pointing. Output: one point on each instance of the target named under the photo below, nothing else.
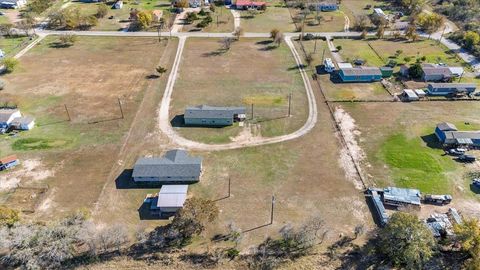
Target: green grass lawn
(276, 16)
(414, 165)
(223, 21)
(378, 52)
(330, 21)
(12, 45)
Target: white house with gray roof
(175, 167)
(205, 115)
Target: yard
(378, 52)
(276, 16)
(118, 19)
(401, 149)
(74, 158)
(253, 71)
(223, 22)
(11, 45)
(325, 22)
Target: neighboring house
(448, 89)
(23, 123)
(360, 74)
(195, 3)
(8, 162)
(7, 116)
(157, 15)
(324, 6)
(118, 5)
(436, 73)
(449, 135)
(246, 4)
(176, 167)
(404, 70)
(204, 115)
(170, 199)
(13, 3)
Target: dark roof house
(176, 166)
(205, 115)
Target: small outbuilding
(394, 196)
(329, 66)
(436, 73)
(205, 115)
(247, 4)
(176, 167)
(8, 162)
(170, 199)
(23, 123)
(409, 95)
(420, 93)
(387, 72)
(118, 5)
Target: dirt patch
(352, 150)
(30, 171)
(249, 133)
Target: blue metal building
(445, 89)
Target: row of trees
(73, 19)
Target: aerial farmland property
(198, 134)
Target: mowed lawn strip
(252, 71)
(276, 16)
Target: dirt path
(236, 17)
(166, 128)
(346, 27)
(29, 46)
(333, 51)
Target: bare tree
(238, 33)
(112, 237)
(226, 43)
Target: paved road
(167, 129)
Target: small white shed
(171, 198)
(409, 95)
(420, 93)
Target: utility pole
(120, 106)
(252, 111)
(217, 20)
(68, 114)
(443, 32)
(323, 55)
(461, 76)
(271, 213)
(289, 104)
(315, 45)
(229, 185)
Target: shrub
(10, 64)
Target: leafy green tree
(8, 216)
(144, 18)
(471, 39)
(380, 31)
(406, 241)
(339, 48)
(10, 64)
(161, 70)
(67, 40)
(430, 22)
(468, 235)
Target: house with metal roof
(324, 6)
(170, 199)
(13, 3)
(394, 196)
(247, 4)
(7, 116)
(175, 167)
(360, 74)
(448, 134)
(436, 73)
(378, 207)
(446, 89)
(409, 95)
(205, 115)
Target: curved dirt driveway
(167, 129)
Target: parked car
(467, 158)
(456, 151)
(476, 182)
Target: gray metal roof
(205, 111)
(172, 196)
(445, 126)
(357, 71)
(175, 163)
(5, 114)
(402, 195)
(452, 85)
(472, 135)
(430, 69)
